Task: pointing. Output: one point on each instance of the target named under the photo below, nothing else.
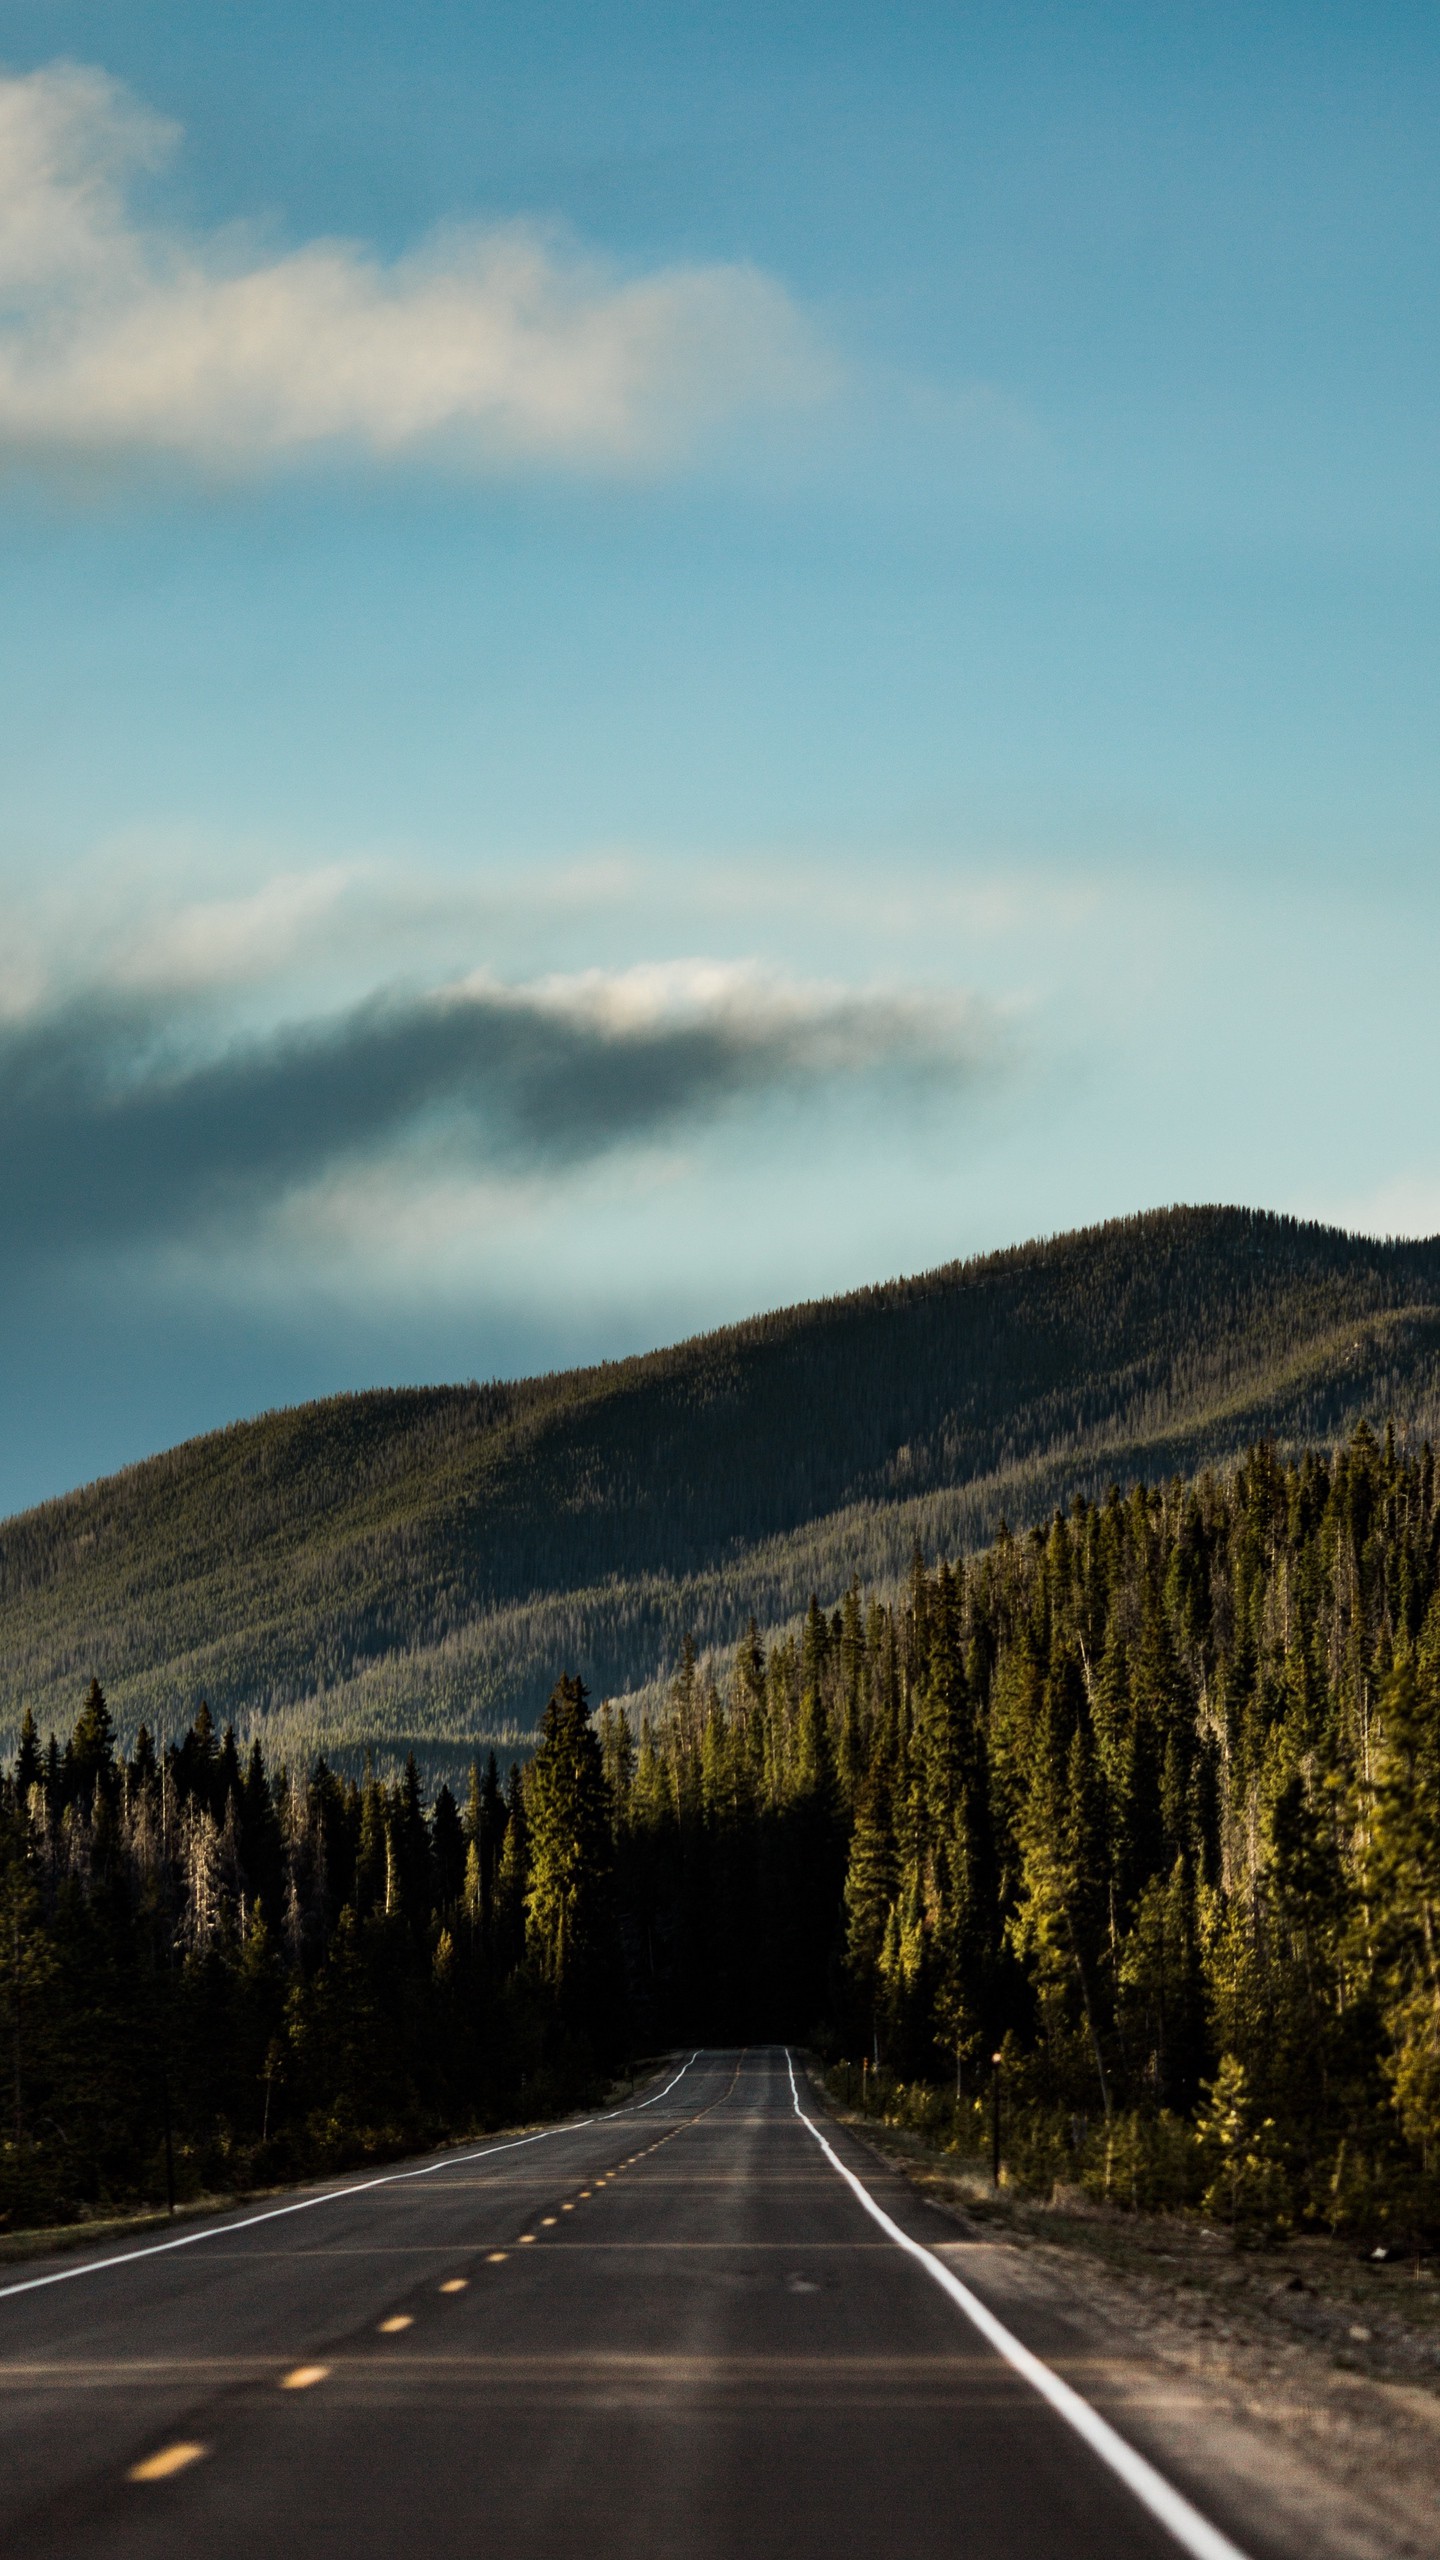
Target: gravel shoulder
(1294, 2391)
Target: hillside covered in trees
(405, 1570)
(1146, 1800)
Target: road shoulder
(1296, 2397)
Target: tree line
(1145, 1802)
(415, 1565)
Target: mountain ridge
(414, 1565)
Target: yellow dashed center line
(173, 2458)
(164, 2464)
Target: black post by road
(995, 2119)
(160, 1992)
(169, 2146)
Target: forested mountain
(1146, 1801)
(409, 1568)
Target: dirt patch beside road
(1298, 2386)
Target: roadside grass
(1367, 2315)
(91, 2231)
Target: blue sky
(662, 660)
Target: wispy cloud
(115, 1127)
(488, 347)
(214, 942)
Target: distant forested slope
(415, 1566)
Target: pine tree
(1403, 1889)
(871, 1885)
(27, 1962)
(92, 1749)
(448, 1850)
(28, 1763)
(372, 1855)
(567, 1907)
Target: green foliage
(1248, 2186)
(1145, 1799)
(1149, 1800)
(567, 1910)
(275, 1975)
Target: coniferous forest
(1146, 1802)
(408, 1569)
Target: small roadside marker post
(996, 2059)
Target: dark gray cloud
(115, 1126)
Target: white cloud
(127, 920)
(810, 1031)
(120, 931)
(489, 347)
(214, 942)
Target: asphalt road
(673, 2330)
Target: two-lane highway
(680, 2328)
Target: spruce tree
(568, 1917)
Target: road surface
(676, 2329)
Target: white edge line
(1190, 2529)
(661, 2093)
(333, 2195)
